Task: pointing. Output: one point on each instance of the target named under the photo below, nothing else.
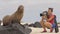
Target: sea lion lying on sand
(14, 18)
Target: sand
(39, 30)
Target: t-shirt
(51, 21)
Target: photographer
(48, 20)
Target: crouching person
(48, 22)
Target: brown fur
(14, 18)
(0, 21)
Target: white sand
(39, 30)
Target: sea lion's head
(21, 8)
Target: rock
(14, 29)
(22, 28)
(36, 24)
(31, 25)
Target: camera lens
(41, 14)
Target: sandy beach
(39, 30)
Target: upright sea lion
(14, 18)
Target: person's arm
(52, 17)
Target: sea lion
(15, 17)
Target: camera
(45, 13)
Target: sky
(32, 8)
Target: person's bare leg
(49, 25)
(43, 26)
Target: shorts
(53, 25)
